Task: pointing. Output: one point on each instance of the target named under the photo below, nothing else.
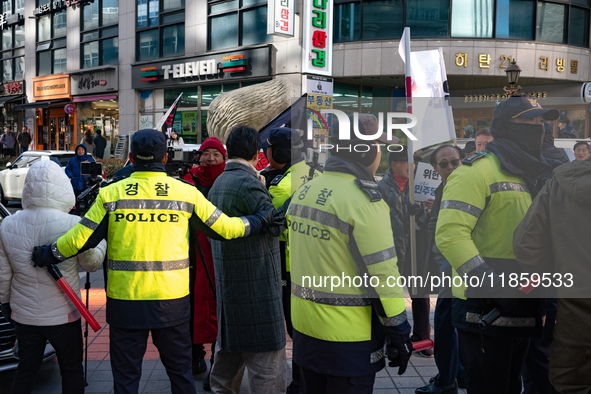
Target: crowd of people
(11, 145)
(235, 258)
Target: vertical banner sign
(317, 37)
(319, 97)
(166, 122)
(280, 17)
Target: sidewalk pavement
(154, 378)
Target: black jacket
(100, 143)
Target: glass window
(178, 17)
(346, 94)
(19, 6)
(173, 40)
(113, 31)
(91, 54)
(427, 18)
(550, 22)
(60, 59)
(7, 38)
(90, 16)
(43, 63)
(189, 98)
(228, 87)
(208, 93)
(578, 28)
(19, 68)
(171, 5)
(223, 6)
(254, 26)
(224, 31)
(153, 14)
(110, 51)
(19, 36)
(142, 13)
(110, 12)
(149, 45)
(515, 19)
(90, 36)
(59, 24)
(382, 19)
(581, 2)
(7, 6)
(248, 3)
(7, 70)
(44, 28)
(472, 18)
(347, 22)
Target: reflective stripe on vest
(321, 297)
(504, 321)
(150, 204)
(117, 265)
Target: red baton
(57, 275)
(423, 345)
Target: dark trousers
(24, 149)
(421, 328)
(66, 339)
(316, 383)
(294, 386)
(447, 351)
(9, 152)
(536, 368)
(497, 369)
(129, 346)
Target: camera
(180, 161)
(92, 169)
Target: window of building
(347, 22)
(578, 28)
(515, 19)
(237, 22)
(100, 30)
(427, 18)
(160, 29)
(550, 22)
(472, 18)
(13, 42)
(51, 42)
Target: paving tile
(384, 383)
(409, 381)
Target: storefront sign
(543, 63)
(14, 87)
(95, 82)
(51, 87)
(280, 17)
(319, 96)
(468, 98)
(70, 109)
(317, 37)
(58, 5)
(247, 63)
(7, 20)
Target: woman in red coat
(204, 318)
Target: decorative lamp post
(513, 72)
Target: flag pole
(410, 152)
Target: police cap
(148, 145)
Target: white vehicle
(12, 179)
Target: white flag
(430, 95)
(401, 49)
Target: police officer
(340, 229)
(483, 202)
(145, 219)
(284, 153)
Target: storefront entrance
(56, 131)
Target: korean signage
(58, 5)
(51, 87)
(426, 182)
(94, 82)
(317, 37)
(188, 123)
(484, 60)
(280, 17)
(14, 87)
(248, 63)
(319, 96)
(7, 20)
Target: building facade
(72, 66)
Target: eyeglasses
(453, 162)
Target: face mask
(528, 137)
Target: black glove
(256, 224)
(414, 209)
(432, 226)
(43, 256)
(6, 311)
(399, 353)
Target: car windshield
(62, 159)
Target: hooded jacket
(34, 296)
(73, 169)
(568, 132)
(552, 238)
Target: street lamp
(513, 72)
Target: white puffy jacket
(35, 297)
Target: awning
(95, 98)
(9, 98)
(91, 70)
(40, 104)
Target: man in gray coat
(251, 332)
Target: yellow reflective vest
(331, 219)
(293, 178)
(145, 219)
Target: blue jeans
(23, 150)
(447, 352)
